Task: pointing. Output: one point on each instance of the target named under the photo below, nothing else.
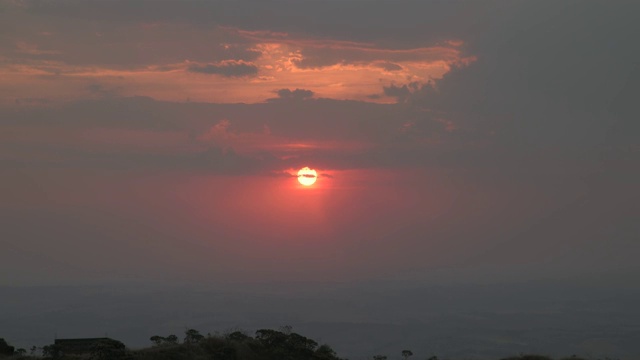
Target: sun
(307, 177)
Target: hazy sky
(158, 140)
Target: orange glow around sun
(307, 176)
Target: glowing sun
(307, 177)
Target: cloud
(143, 133)
(152, 52)
(389, 66)
(401, 93)
(527, 91)
(217, 132)
(289, 174)
(31, 101)
(412, 24)
(180, 159)
(227, 68)
(282, 174)
(101, 90)
(313, 56)
(295, 95)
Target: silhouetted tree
(528, 357)
(108, 349)
(192, 336)
(21, 352)
(171, 339)
(325, 352)
(271, 338)
(281, 346)
(406, 354)
(237, 336)
(379, 357)
(51, 351)
(157, 340)
(299, 343)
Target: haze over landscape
(477, 173)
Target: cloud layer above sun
(49, 55)
(387, 85)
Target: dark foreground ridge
(267, 344)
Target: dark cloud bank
(226, 68)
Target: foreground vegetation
(267, 344)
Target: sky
(468, 141)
